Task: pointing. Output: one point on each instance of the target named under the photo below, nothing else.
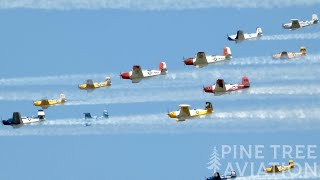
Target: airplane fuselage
(229, 88)
(194, 113)
(210, 59)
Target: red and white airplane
(220, 87)
(202, 60)
(137, 74)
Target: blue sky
(51, 48)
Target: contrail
(150, 4)
(238, 121)
(300, 36)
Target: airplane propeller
(183, 61)
(120, 75)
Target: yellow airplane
(91, 85)
(276, 168)
(45, 103)
(291, 55)
(185, 113)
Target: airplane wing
(184, 111)
(220, 86)
(295, 23)
(240, 35)
(89, 82)
(201, 58)
(44, 101)
(136, 73)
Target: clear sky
(48, 48)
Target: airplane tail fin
(245, 81)
(41, 114)
(108, 80)
(105, 114)
(209, 106)
(291, 163)
(303, 50)
(216, 175)
(163, 68)
(233, 174)
(315, 19)
(63, 97)
(259, 32)
(227, 53)
(16, 118)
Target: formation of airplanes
(200, 60)
(296, 24)
(184, 113)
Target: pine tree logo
(214, 162)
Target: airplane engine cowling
(188, 61)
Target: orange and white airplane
(90, 85)
(201, 60)
(220, 87)
(137, 74)
(185, 113)
(291, 55)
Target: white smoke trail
(194, 74)
(238, 121)
(74, 79)
(301, 36)
(150, 4)
(159, 95)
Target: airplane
(87, 116)
(17, 120)
(90, 85)
(220, 87)
(276, 168)
(185, 113)
(296, 24)
(216, 176)
(202, 60)
(291, 55)
(137, 74)
(45, 103)
(240, 36)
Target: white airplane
(17, 120)
(296, 24)
(240, 36)
(220, 87)
(186, 113)
(201, 60)
(137, 74)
